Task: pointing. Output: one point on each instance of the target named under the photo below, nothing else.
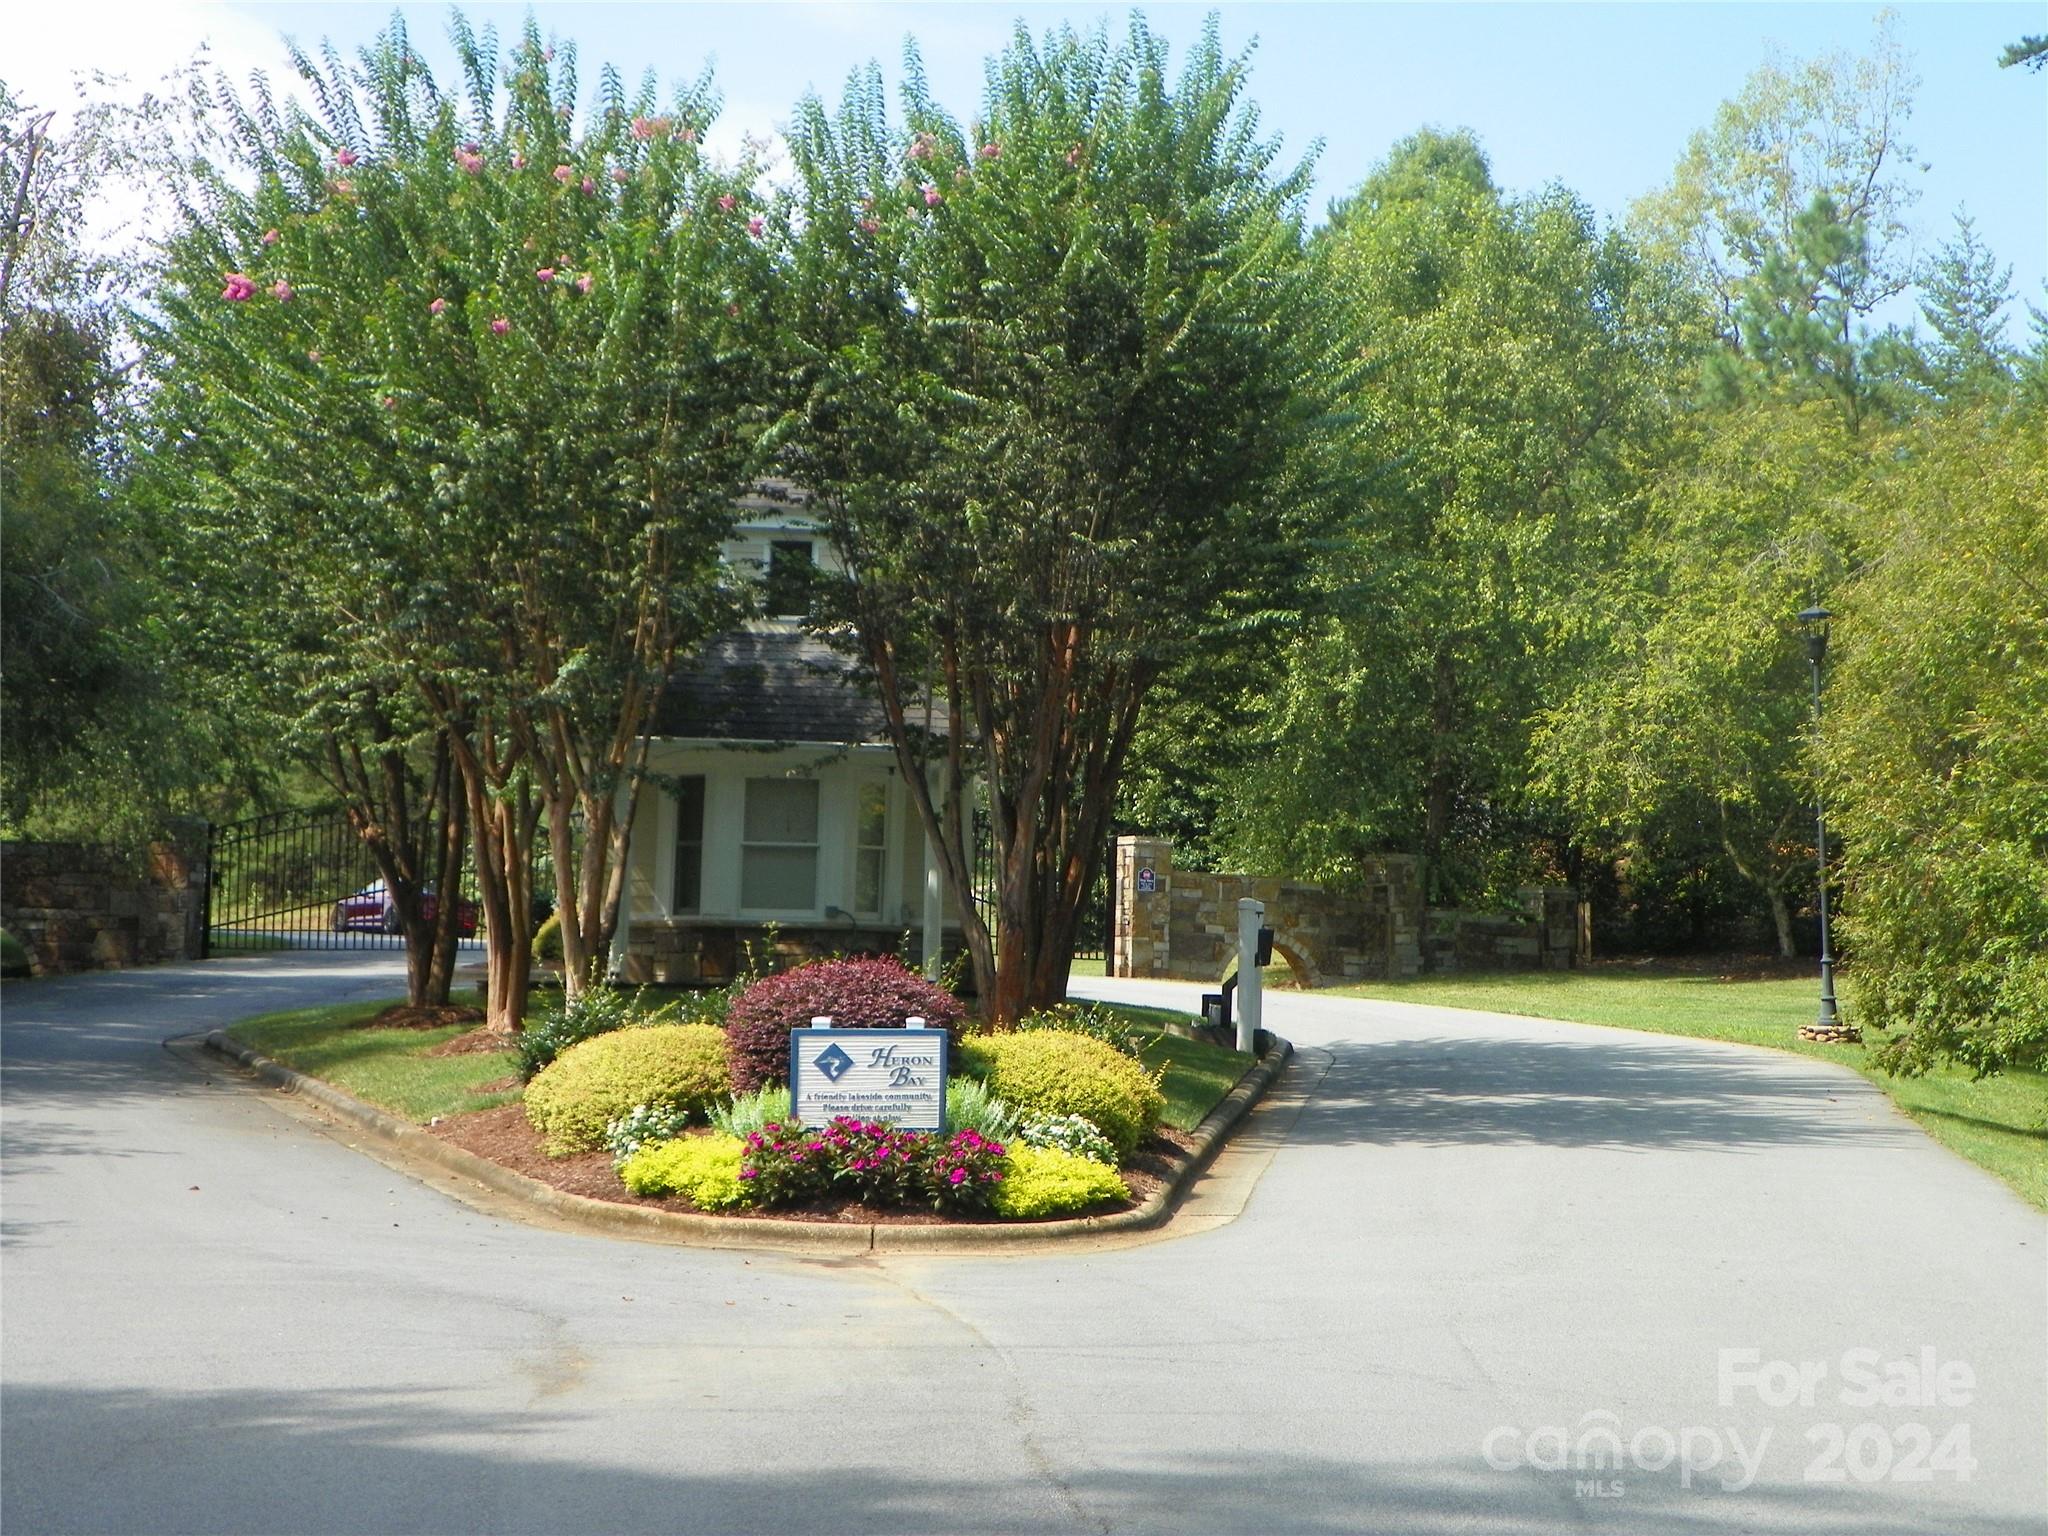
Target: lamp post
(1828, 1025)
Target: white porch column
(934, 912)
(622, 936)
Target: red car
(373, 908)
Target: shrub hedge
(598, 1081)
(1053, 1072)
(1046, 1181)
(705, 1170)
(860, 993)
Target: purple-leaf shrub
(861, 993)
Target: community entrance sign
(898, 1075)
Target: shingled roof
(769, 685)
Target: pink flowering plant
(873, 1163)
(478, 546)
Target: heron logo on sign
(834, 1063)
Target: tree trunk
(1440, 797)
(1781, 919)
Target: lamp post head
(1816, 622)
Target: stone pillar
(1144, 884)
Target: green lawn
(2000, 1123)
(1198, 1074)
(385, 1067)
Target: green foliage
(592, 1083)
(14, 958)
(1041, 1182)
(1695, 703)
(750, 1112)
(547, 940)
(1518, 364)
(1114, 1027)
(1937, 753)
(1051, 1072)
(520, 361)
(971, 1106)
(565, 1021)
(1068, 1133)
(705, 1170)
(1052, 371)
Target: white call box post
(1251, 916)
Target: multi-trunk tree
(484, 378)
(1050, 365)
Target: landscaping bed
(678, 1104)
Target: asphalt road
(1467, 1273)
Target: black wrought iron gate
(295, 880)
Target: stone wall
(1183, 924)
(76, 907)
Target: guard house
(777, 814)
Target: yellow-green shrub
(602, 1078)
(1056, 1072)
(1044, 1181)
(703, 1169)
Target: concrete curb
(650, 1223)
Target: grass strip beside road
(389, 1068)
(1999, 1123)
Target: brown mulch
(506, 1137)
(426, 1016)
(472, 1043)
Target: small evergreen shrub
(599, 1080)
(1068, 1133)
(644, 1124)
(751, 1112)
(859, 993)
(1045, 1181)
(971, 1107)
(547, 940)
(1098, 1021)
(1052, 1072)
(705, 1170)
(567, 1021)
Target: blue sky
(1600, 97)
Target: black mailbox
(1265, 947)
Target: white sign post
(898, 1075)
(1251, 916)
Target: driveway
(1456, 1255)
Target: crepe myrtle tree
(1049, 367)
(484, 374)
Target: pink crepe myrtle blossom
(618, 173)
(282, 290)
(344, 158)
(933, 196)
(518, 161)
(565, 174)
(500, 326)
(271, 237)
(583, 281)
(437, 306)
(870, 226)
(991, 151)
(589, 186)
(545, 274)
(391, 402)
(237, 287)
(471, 162)
(342, 188)
(688, 135)
(727, 202)
(921, 147)
(756, 225)
(647, 127)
